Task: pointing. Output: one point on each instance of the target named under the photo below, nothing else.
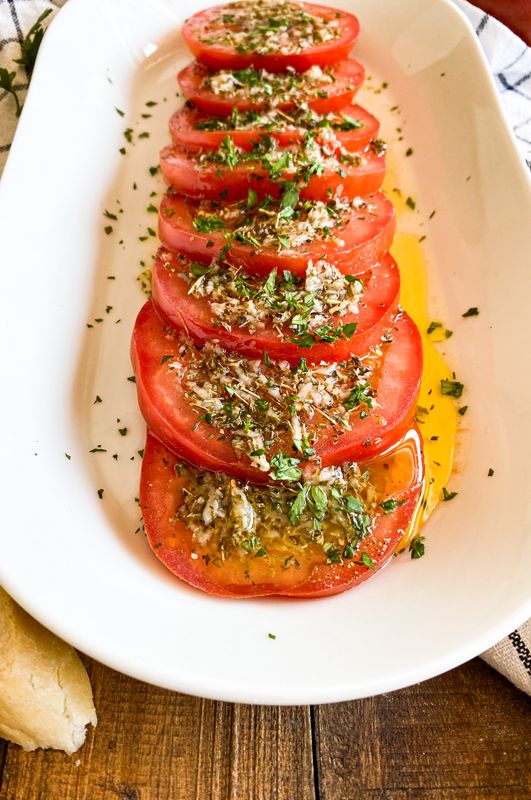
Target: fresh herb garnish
(285, 468)
(389, 506)
(416, 546)
(7, 84)
(446, 495)
(29, 47)
(204, 223)
(452, 388)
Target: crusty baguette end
(45, 693)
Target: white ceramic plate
(73, 560)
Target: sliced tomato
(161, 492)
(172, 418)
(194, 130)
(359, 244)
(212, 180)
(194, 315)
(204, 33)
(347, 76)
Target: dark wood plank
(3, 752)
(465, 735)
(152, 744)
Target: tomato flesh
(190, 129)
(172, 418)
(360, 242)
(172, 542)
(203, 25)
(187, 175)
(194, 315)
(348, 77)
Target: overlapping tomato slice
(195, 81)
(220, 37)
(353, 127)
(195, 316)
(363, 233)
(210, 177)
(397, 476)
(162, 357)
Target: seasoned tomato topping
(268, 26)
(287, 223)
(258, 402)
(275, 119)
(269, 88)
(312, 155)
(283, 299)
(234, 518)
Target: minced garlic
(261, 405)
(268, 26)
(291, 304)
(228, 517)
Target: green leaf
(451, 388)
(228, 152)
(31, 43)
(446, 495)
(367, 560)
(349, 124)
(252, 199)
(353, 505)
(299, 504)
(285, 468)
(6, 83)
(416, 547)
(204, 223)
(278, 166)
(358, 396)
(269, 285)
(318, 501)
(472, 312)
(388, 506)
(288, 201)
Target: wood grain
(151, 744)
(463, 736)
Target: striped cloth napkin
(510, 62)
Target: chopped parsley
(446, 495)
(452, 388)
(416, 547)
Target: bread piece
(45, 693)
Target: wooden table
(463, 736)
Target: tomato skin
(193, 315)
(349, 75)
(182, 171)
(365, 239)
(185, 134)
(173, 421)
(171, 541)
(219, 57)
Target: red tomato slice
(194, 130)
(212, 180)
(367, 233)
(172, 418)
(248, 576)
(204, 33)
(194, 315)
(347, 76)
